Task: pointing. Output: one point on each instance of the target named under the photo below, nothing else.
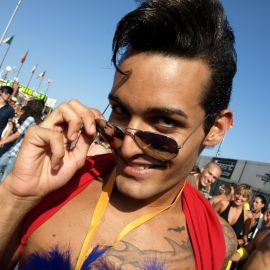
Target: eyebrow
(117, 100)
(156, 110)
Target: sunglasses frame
(132, 133)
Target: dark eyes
(165, 121)
(119, 111)
(159, 121)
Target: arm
(230, 239)
(240, 255)
(247, 225)
(10, 138)
(44, 164)
(220, 206)
(7, 131)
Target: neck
(256, 212)
(2, 101)
(127, 204)
(237, 206)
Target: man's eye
(118, 110)
(168, 122)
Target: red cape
(203, 225)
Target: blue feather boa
(59, 260)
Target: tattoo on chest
(177, 229)
(132, 255)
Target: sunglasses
(156, 145)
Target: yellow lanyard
(98, 214)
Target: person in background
(257, 210)
(31, 114)
(235, 214)
(256, 254)
(130, 209)
(226, 194)
(204, 178)
(6, 111)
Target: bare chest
(163, 240)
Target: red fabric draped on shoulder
(94, 167)
(203, 225)
(205, 230)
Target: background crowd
(248, 214)
(15, 119)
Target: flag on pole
(8, 40)
(24, 56)
(34, 68)
(48, 81)
(41, 74)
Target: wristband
(243, 253)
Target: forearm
(13, 210)
(10, 138)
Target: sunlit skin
(162, 94)
(237, 206)
(240, 198)
(172, 110)
(209, 175)
(257, 205)
(258, 248)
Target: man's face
(162, 94)
(209, 175)
(5, 96)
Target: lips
(138, 169)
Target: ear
(222, 123)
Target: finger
(39, 139)
(88, 116)
(75, 115)
(66, 117)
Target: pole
(30, 79)
(18, 72)
(4, 57)
(40, 83)
(10, 20)
(46, 91)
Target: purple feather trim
(55, 259)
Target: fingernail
(74, 136)
(56, 167)
(93, 128)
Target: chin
(134, 189)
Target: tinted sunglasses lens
(111, 134)
(156, 145)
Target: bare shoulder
(229, 237)
(248, 214)
(221, 206)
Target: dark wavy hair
(263, 201)
(6, 89)
(188, 29)
(33, 108)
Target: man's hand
(45, 161)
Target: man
(209, 175)
(257, 251)
(131, 209)
(206, 178)
(6, 111)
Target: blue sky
(71, 40)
